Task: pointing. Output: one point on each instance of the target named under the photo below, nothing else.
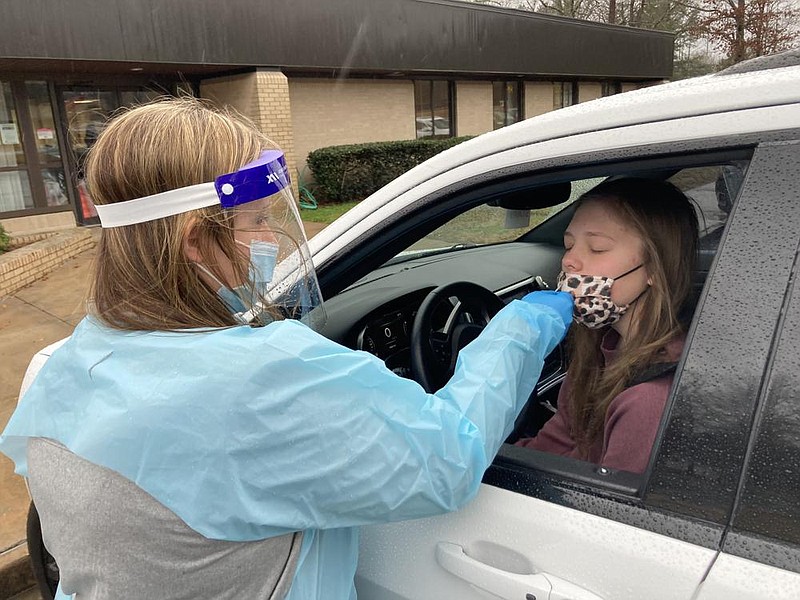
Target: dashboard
(376, 313)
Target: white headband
(157, 206)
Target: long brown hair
(664, 219)
(143, 280)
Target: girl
(630, 252)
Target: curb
(23, 266)
(16, 574)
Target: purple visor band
(263, 177)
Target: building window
(433, 102)
(611, 87)
(15, 188)
(565, 93)
(51, 166)
(506, 103)
(45, 132)
(86, 110)
(31, 168)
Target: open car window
(712, 190)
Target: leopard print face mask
(594, 307)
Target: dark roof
(372, 36)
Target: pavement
(40, 314)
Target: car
(434, 253)
(427, 126)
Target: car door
(761, 550)
(550, 527)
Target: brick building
(310, 73)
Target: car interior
(431, 289)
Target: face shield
(267, 229)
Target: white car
(717, 513)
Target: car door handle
(513, 586)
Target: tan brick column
(274, 115)
(263, 97)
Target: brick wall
(263, 97)
(25, 265)
(474, 107)
(39, 223)
(328, 112)
(538, 98)
(589, 90)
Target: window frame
(559, 93)
(619, 496)
(519, 98)
(451, 106)
(611, 87)
(615, 500)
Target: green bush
(5, 239)
(353, 172)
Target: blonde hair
(143, 279)
(663, 218)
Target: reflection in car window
(713, 190)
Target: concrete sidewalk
(38, 315)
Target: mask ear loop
(208, 272)
(241, 317)
(628, 272)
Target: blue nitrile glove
(561, 302)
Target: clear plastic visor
(281, 281)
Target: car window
(712, 190)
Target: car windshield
(484, 225)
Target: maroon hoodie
(631, 423)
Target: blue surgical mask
(233, 298)
(263, 257)
(242, 298)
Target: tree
(743, 29)
(738, 29)
(676, 16)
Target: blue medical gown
(247, 433)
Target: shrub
(5, 239)
(353, 172)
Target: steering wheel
(434, 352)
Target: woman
(629, 256)
(173, 449)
